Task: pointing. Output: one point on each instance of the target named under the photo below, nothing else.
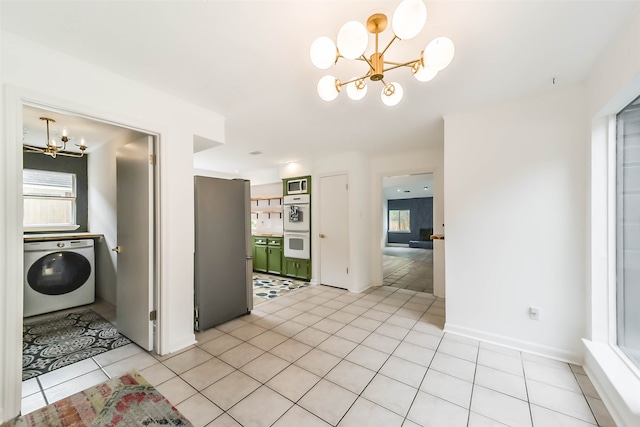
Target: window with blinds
(49, 200)
(628, 230)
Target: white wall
(214, 174)
(421, 161)
(32, 72)
(10, 357)
(613, 83)
(356, 166)
(267, 223)
(515, 215)
(265, 176)
(273, 189)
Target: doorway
(105, 212)
(407, 249)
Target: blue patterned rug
(54, 342)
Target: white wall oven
(297, 245)
(297, 226)
(297, 215)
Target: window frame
(407, 231)
(45, 227)
(613, 230)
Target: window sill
(618, 380)
(45, 228)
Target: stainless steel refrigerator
(223, 251)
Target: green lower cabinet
(274, 260)
(267, 254)
(298, 268)
(260, 259)
(260, 254)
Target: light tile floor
(408, 268)
(320, 356)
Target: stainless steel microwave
(297, 186)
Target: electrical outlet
(534, 313)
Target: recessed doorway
(98, 213)
(407, 251)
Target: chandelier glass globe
(357, 89)
(438, 54)
(409, 18)
(323, 52)
(391, 94)
(328, 88)
(352, 40)
(424, 74)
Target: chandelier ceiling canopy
(351, 43)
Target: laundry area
(88, 235)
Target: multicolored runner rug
(53, 342)
(266, 287)
(126, 401)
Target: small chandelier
(408, 20)
(52, 148)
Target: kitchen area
(281, 228)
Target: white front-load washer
(57, 275)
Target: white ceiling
(95, 133)
(249, 61)
(408, 186)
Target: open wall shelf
(273, 205)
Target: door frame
(439, 286)
(11, 305)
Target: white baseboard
(515, 344)
(179, 345)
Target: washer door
(59, 273)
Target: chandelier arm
(389, 45)
(355, 79)
(68, 154)
(33, 149)
(398, 65)
(365, 59)
(48, 137)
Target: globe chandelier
(407, 22)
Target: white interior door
(334, 231)
(135, 185)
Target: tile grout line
(316, 347)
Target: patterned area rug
(266, 287)
(126, 401)
(53, 342)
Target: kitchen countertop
(60, 236)
(266, 234)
